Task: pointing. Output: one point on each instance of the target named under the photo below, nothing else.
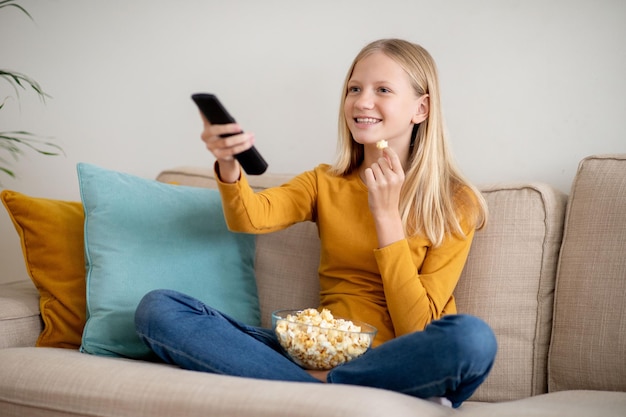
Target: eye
(353, 89)
(384, 90)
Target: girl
(395, 225)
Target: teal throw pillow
(142, 235)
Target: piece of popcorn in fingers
(382, 144)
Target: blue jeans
(450, 358)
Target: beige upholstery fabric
(562, 404)
(509, 281)
(62, 382)
(589, 336)
(204, 177)
(20, 322)
(286, 269)
(51, 382)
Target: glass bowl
(317, 340)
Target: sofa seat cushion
(20, 322)
(589, 335)
(580, 403)
(508, 281)
(59, 382)
(51, 382)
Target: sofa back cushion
(508, 281)
(286, 269)
(589, 335)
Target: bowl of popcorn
(317, 340)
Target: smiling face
(380, 102)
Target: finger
(226, 148)
(394, 170)
(370, 180)
(239, 143)
(221, 130)
(377, 171)
(393, 159)
(236, 140)
(384, 164)
(214, 133)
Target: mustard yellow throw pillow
(51, 232)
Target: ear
(423, 107)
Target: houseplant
(13, 143)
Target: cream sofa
(548, 274)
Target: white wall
(529, 87)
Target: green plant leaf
(14, 143)
(11, 141)
(8, 172)
(16, 79)
(11, 3)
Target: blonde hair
(436, 200)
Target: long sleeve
(271, 209)
(418, 295)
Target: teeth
(366, 120)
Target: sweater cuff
(391, 251)
(218, 177)
(241, 182)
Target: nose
(364, 101)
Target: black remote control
(250, 160)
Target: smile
(366, 120)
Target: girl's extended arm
(271, 209)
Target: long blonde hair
(435, 197)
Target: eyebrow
(375, 82)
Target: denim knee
(473, 339)
(150, 307)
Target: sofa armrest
(20, 321)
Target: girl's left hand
(384, 179)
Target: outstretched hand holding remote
(226, 140)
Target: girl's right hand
(224, 149)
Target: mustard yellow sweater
(398, 289)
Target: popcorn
(382, 144)
(317, 340)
